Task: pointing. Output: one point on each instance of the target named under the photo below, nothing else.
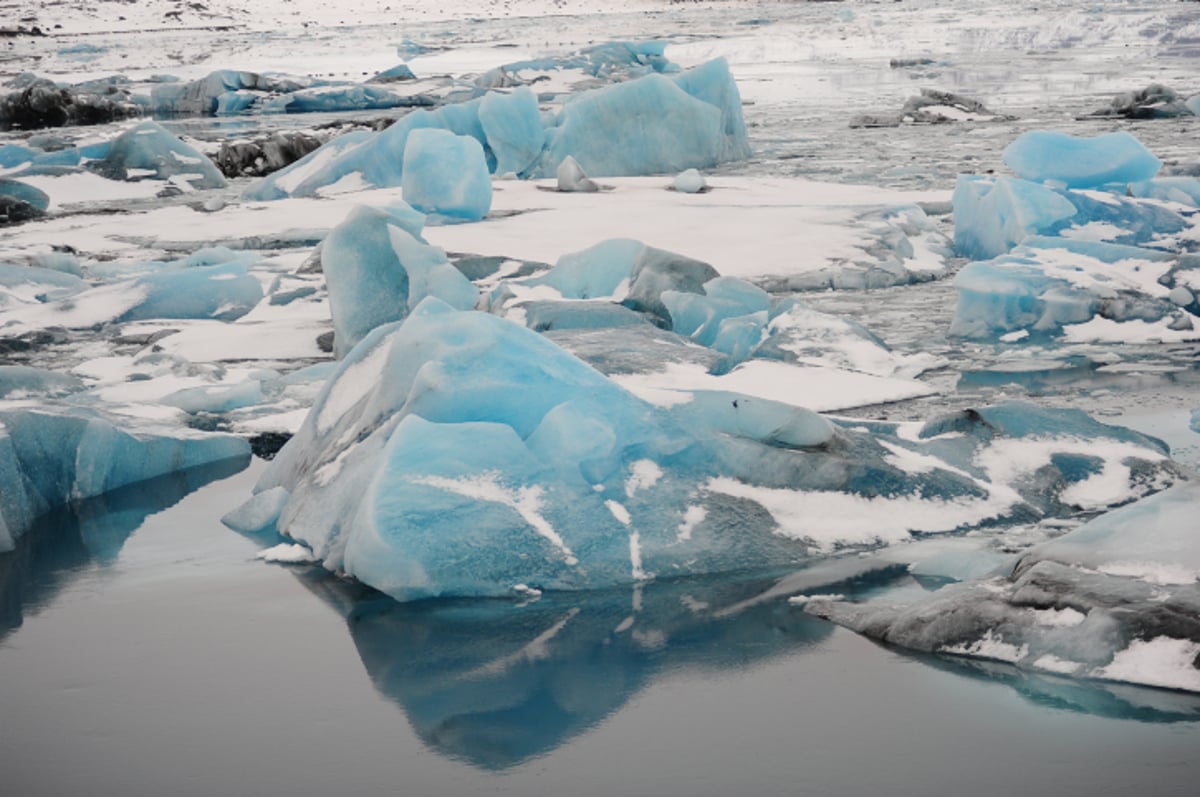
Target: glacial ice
(446, 174)
(50, 456)
(651, 125)
(24, 192)
(1116, 599)
(149, 147)
(570, 177)
(1046, 285)
(456, 453)
(30, 284)
(378, 268)
(20, 381)
(1077, 162)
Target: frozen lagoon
(800, 107)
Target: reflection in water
(1073, 374)
(68, 540)
(496, 682)
(1097, 698)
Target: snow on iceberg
(1057, 286)
(1116, 599)
(51, 456)
(378, 268)
(1080, 162)
(456, 453)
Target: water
(184, 666)
(144, 651)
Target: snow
(1161, 661)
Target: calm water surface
(175, 663)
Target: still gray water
(173, 662)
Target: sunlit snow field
(146, 649)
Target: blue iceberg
(222, 292)
(24, 192)
(456, 453)
(49, 457)
(21, 381)
(149, 147)
(1075, 162)
(1048, 284)
(447, 175)
(651, 125)
(377, 268)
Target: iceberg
(569, 176)
(652, 125)
(24, 192)
(457, 453)
(150, 148)
(1080, 162)
(1116, 599)
(1053, 286)
(51, 456)
(447, 175)
(378, 268)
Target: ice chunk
(24, 192)
(1116, 599)
(216, 398)
(459, 453)
(34, 284)
(992, 215)
(595, 272)
(652, 125)
(150, 147)
(656, 271)
(49, 457)
(513, 126)
(1184, 190)
(280, 184)
(1047, 285)
(202, 96)
(571, 177)
(689, 182)
(1080, 162)
(20, 381)
(377, 268)
(446, 174)
(257, 517)
(224, 292)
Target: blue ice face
(149, 146)
(457, 453)
(447, 175)
(1077, 162)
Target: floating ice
(512, 124)
(1052, 285)
(20, 381)
(652, 125)
(456, 453)
(29, 284)
(1116, 599)
(24, 192)
(571, 177)
(51, 456)
(689, 182)
(1156, 101)
(446, 174)
(150, 147)
(377, 268)
(1077, 162)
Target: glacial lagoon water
(170, 661)
(145, 651)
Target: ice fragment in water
(571, 177)
(689, 182)
(150, 147)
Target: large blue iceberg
(447, 175)
(457, 453)
(149, 147)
